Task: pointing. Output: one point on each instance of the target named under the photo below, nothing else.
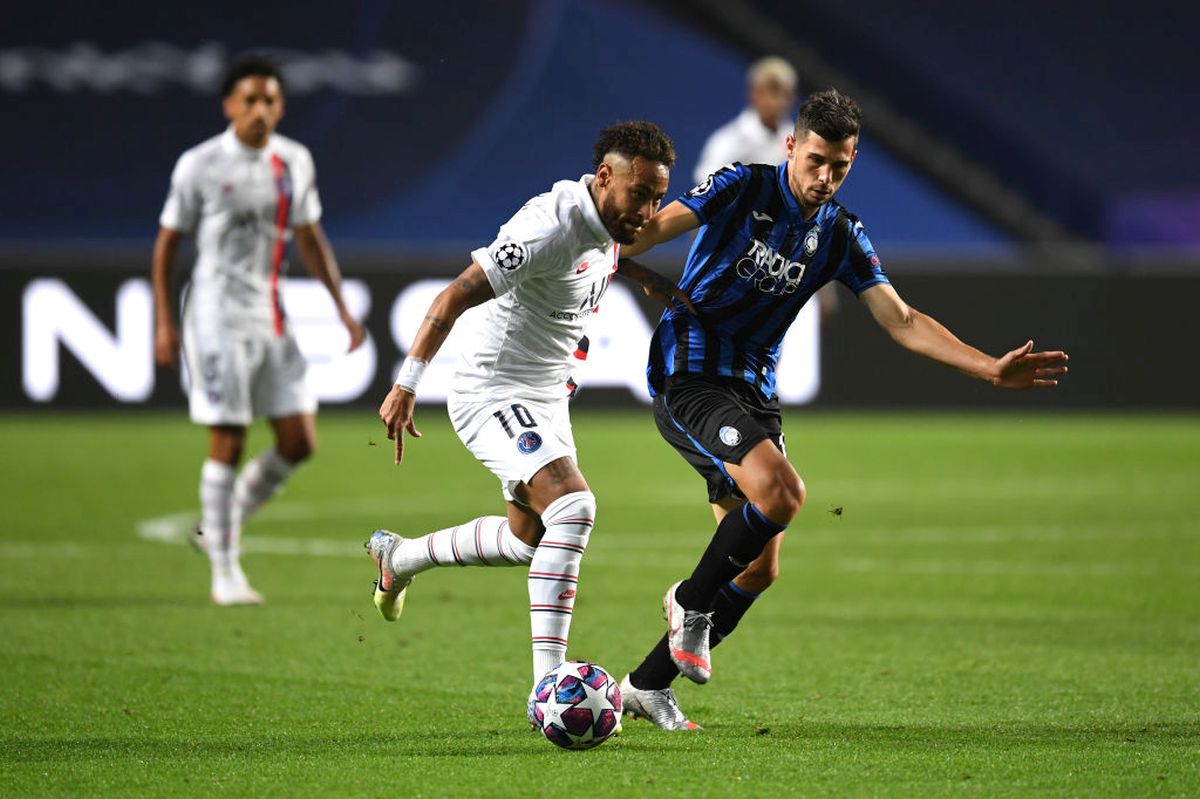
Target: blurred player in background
(759, 134)
(770, 236)
(243, 193)
(542, 278)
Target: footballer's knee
(571, 505)
(297, 451)
(782, 497)
(573, 514)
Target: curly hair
(248, 65)
(633, 139)
(830, 114)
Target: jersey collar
(236, 146)
(590, 212)
(793, 205)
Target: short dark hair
(632, 139)
(247, 65)
(830, 114)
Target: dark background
(431, 125)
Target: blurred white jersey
(548, 266)
(242, 204)
(745, 139)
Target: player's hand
(1024, 368)
(357, 334)
(396, 412)
(166, 344)
(664, 294)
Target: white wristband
(409, 376)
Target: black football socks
(658, 671)
(740, 538)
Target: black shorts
(714, 421)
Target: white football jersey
(242, 204)
(746, 139)
(548, 266)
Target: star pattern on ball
(552, 710)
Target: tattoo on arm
(438, 323)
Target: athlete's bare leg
(551, 482)
(295, 437)
(225, 443)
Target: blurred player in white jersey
(542, 278)
(243, 194)
(758, 135)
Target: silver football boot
(658, 707)
(688, 638)
(390, 587)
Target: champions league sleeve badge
(509, 255)
(704, 187)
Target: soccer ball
(576, 706)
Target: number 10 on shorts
(520, 413)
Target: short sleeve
(181, 211)
(525, 246)
(860, 267)
(717, 192)
(306, 205)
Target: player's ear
(604, 173)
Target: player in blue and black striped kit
(770, 237)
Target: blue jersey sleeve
(860, 268)
(717, 193)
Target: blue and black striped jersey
(754, 263)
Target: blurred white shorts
(236, 375)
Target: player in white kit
(542, 278)
(243, 194)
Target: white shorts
(236, 375)
(513, 438)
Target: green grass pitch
(1007, 605)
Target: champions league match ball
(576, 706)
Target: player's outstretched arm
(166, 330)
(317, 256)
(674, 220)
(924, 335)
(657, 287)
(469, 289)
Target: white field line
(176, 527)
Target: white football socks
(259, 480)
(486, 541)
(216, 514)
(554, 574)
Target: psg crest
(528, 442)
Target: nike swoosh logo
(762, 217)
